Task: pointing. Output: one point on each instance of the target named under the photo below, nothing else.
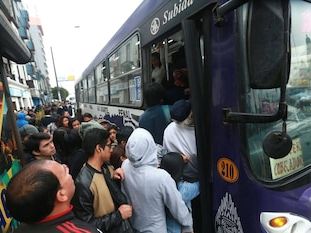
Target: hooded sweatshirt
(150, 189)
(181, 139)
(21, 120)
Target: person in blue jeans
(174, 164)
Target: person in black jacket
(98, 199)
(39, 196)
(39, 146)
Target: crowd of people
(86, 175)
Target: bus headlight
(274, 222)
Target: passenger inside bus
(158, 71)
(170, 53)
(180, 87)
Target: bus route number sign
(227, 170)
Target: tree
(63, 93)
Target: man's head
(87, 117)
(40, 188)
(105, 123)
(123, 135)
(155, 59)
(141, 149)
(40, 145)
(26, 131)
(96, 142)
(181, 112)
(154, 94)
(113, 129)
(86, 126)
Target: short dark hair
(154, 93)
(87, 114)
(113, 126)
(73, 120)
(60, 140)
(93, 138)
(124, 133)
(33, 142)
(155, 55)
(31, 193)
(115, 159)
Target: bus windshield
(299, 106)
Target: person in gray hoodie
(149, 188)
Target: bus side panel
(238, 197)
(121, 116)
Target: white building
(39, 70)
(17, 74)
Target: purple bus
(248, 71)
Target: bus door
(168, 66)
(196, 34)
(241, 67)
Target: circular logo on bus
(155, 26)
(227, 170)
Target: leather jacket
(83, 201)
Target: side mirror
(277, 144)
(268, 56)
(268, 37)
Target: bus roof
(142, 18)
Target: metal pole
(58, 93)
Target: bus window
(125, 74)
(101, 84)
(299, 101)
(91, 88)
(80, 86)
(173, 63)
(85, 92)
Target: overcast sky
(77, 30)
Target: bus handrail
(241, 117)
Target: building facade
(17, 74)
(29, 84)
(39, 72)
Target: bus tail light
(278, 222)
